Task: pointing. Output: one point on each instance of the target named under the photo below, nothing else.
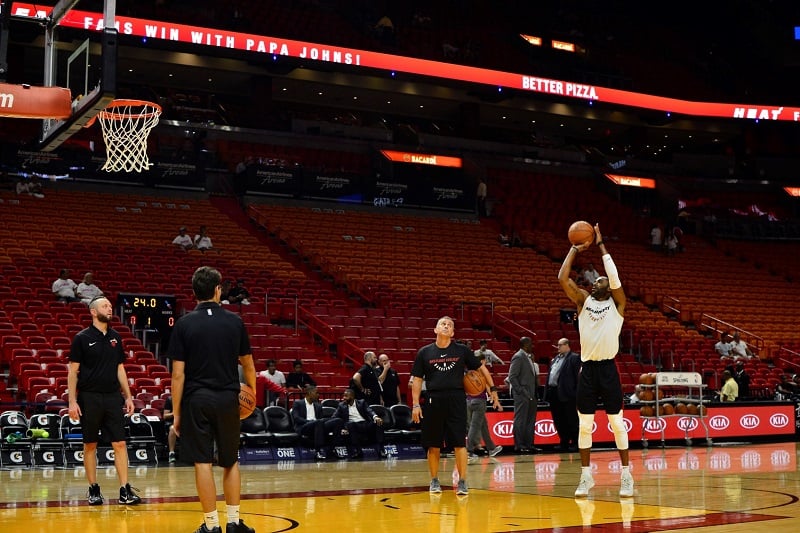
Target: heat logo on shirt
(444, 363)
(596, 315)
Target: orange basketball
(646, 410)
(646, 396)
(691, 409)
(647, 379)
(669, 409)
(702, 411)
(580, 232)
(680, 408)
(474, 384)
(247, 401)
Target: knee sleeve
(585, 423)
(620, 433)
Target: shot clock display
(148, 312)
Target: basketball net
(126, 125)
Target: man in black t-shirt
(442, 365)
(390, 381)
(365, 382)
(206, 347)
(96, 376)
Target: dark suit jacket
(568, 377)
(299, 413)
(343, 411)
(521, 376)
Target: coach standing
(95, 378)
(206, 347)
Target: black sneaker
(93, 495)
(128, 496)
(241, 527)
(204, 529)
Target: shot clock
(148, 312)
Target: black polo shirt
(209, 340)
(100, 356)
(443, 368)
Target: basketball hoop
(126, 125)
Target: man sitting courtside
(308, 421)
(360, 423)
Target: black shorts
(102, 410)
(599, 383)
(444, 420)
(208, 416)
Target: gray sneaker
(494, 451)
(436, 487)
(462, 489)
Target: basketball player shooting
(600, 317)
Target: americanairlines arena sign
(276, 46)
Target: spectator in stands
(487, 355)
(742, 379)
(656, 239)
(297, 379)
(480, 196)
(384, 30)
(739, 348)
(361, 424)
(590, 274)
(788, 388)
(64, 288)
(87, 290)
(365, 382)
(671, 243)
(730, 389)
(202, 241)
(33, 187)
(168, 416)
(182, 240)
(634, 398)
(308, 421)
(275, 376)
(476, 422)
(226, 289)
(389, 380)
(724, 346)
(239, 294)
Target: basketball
(691, 409)
(646, 410)
(668, 409)
(647, 379)
(701, 410)
(474, 384)
(247, 401)
(680, 408)
(580, 232)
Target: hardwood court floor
(699, 489)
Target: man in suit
(308, 421)
(562, 392)
(522, 377)
(360, 423)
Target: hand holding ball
(474, 384)
(247, 401)
(580, 232)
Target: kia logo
(749, 421)
(503, 428)
(780, 458)
(545, 428)
(719, 422)
(628, 426)
(687, 423)
(655, 425)
(751, 459)
(779, 420)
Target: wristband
(599, 243)
(416, 406)
(492, 389)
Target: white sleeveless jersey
(600, 324)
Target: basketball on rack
(580, 232)
(474, 384)
(247, 401)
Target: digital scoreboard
(148, 312)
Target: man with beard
(95, 378)
(600, 317)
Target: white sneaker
(626, 485)
(586, 483)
